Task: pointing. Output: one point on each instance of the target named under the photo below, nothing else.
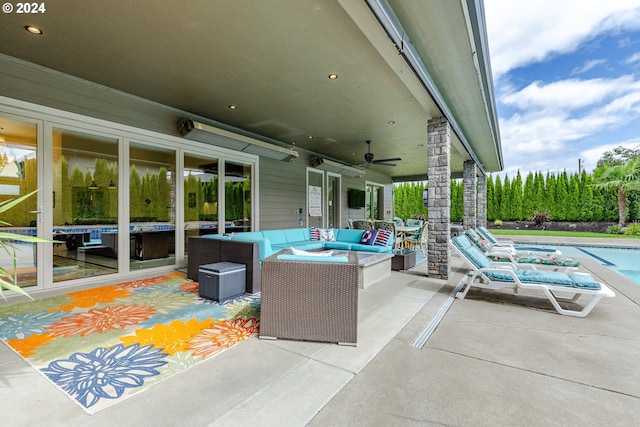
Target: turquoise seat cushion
(345, 246)
(534, 259)
(348, 235)
(584, 281)
(369, 248)
(471, 252)
(533, 276)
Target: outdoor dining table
(403, 230)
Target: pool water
(622, 260)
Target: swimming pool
(622, 260)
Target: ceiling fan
(368, 158)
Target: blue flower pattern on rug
(83, 348)
(105, 372)
(20, 326)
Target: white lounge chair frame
(510, 246)
(476, 277)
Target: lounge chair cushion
(547, 277)
(525, 276)
(532, 259)
(474, 255)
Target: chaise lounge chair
(486, 234)
(499, 254)
(487, 275)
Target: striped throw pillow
(315, 233)
(383, 237)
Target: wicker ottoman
(310, 300)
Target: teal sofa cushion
(369, 248)
(348, 235)
(297, 234)
(345, 246)
(275, 236)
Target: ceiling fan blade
(384, 164)
(395, 159)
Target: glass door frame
(42, 250)
(123, 227)
(336, 202)
(370, 187)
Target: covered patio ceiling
(272, 60)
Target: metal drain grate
(424, 336)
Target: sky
(566, 80)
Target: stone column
(469, 197)
(482, 201)
(439, 191)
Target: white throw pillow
(295, 251)
(326, 235)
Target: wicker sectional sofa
(251, 247)
(346, 239)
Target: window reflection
(85, 204)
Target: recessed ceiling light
(310, 137)
(391, 122)
(233, 107)
(33, 30)
(333, 76)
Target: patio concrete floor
(494, 360)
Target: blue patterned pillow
(314, 232)
(383, 237)
(368, 237)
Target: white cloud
(549, 133)
(588, 65)
(570, 94)
(633, 58)
(523, 32)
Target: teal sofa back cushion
(275, 236)
(297, 234)
(348, 235)
(264, 245)
(217, 237)
(249, 235)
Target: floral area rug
(104, 344)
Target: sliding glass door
(19, 175)
(152, 202)
(84, 203)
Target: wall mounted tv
(355, 198)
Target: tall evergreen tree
(528, 197)
(497, 198)
(491, 211)
(516, 198)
